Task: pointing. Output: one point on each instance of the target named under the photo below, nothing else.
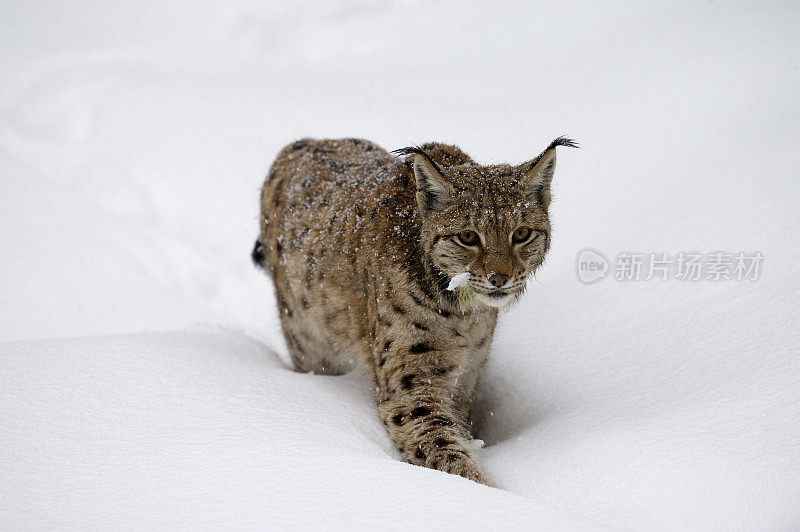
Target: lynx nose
(498, 280)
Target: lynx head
(491, 221)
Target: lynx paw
(459, 464)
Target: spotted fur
(361, 246)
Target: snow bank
(133, 142)
(208, 429)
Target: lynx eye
(469, 238)
(521, 234)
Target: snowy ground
(141, 365)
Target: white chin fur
(497, 302)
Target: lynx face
(500, 244)
(491, 221)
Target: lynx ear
(434, 191)
(538, 173)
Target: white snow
(133, 142)
(458, 280)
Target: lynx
(400, 264)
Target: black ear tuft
(563, 141)
(414, 150)
(408, 150)
(560, 141)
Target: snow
(143, 372)
(458, 280)
(151, 441)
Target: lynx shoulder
(365, 250)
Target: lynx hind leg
(310, 348)
(297, 353)
(309, 354)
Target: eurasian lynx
(365, 249)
